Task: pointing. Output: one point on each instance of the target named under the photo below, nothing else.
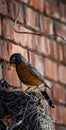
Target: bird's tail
(50, 102)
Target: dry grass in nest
(24, 111)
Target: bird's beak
(10, 66)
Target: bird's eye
(13, 60)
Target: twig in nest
(24, 112)
(22, 91)
(35, 110)
(18, 114)
(15, 125)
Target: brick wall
(47, 54)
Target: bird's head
(16, 59)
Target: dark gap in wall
(54, 31)
(23, 13)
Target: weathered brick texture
(62, 72)
(37, 4)
(47, 54)
(51, 70)
(3, 7)
(59, 94)
(55, 9)
(0, 28)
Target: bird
(28, 74)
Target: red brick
(59, 94)
(44, 46)
(64, 54)
(0, 28)
(25, 1)
(51, 70)
(7, 49)
(18, 38)
(3, 7)
(57, 11)
(38, 62)
(60, 114)
(54, 113)
(62, 11)
(37, 40)
(52, 8)
(60, 53)
(37, 22)
(57, 114)
(46, 25)
(64, 116)
(20, 16)
(8, 31)
(61, 30)
(37, 4)
(30, 14)
(31, 41)
(62, 74)
(47, 45)
(13, 8)
(15, 48)
(4, 50)
(54, 50)
(26, 40)
(4, 54)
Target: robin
(28, 74)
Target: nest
(23, 111)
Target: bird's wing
(35, 72)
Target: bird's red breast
(26, 76)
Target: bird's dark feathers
(36, 72)
(17, 58)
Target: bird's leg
(31, 88)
